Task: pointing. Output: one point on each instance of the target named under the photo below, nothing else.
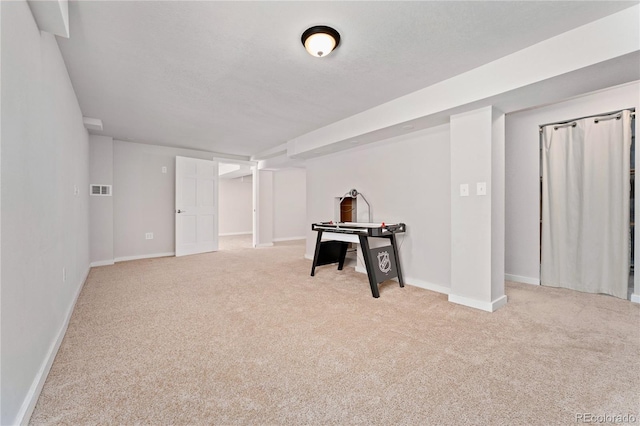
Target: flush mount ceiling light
(320, 40)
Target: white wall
(522, 240)
(405, 179)
(144, 198)
(45, 222)
(290, 204)
(101, 207)
(235, 198)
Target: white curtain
(585, 204)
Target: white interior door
(196, 206)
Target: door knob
(181, 211)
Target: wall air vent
(100, 190)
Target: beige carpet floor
(235, 242)
(247, 337)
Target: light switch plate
(464, 189)
(481, 188)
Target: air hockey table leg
(397, 258)
(317, 253)
(342, 256)
(366, 254)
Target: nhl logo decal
(387, 267)
(384, 263)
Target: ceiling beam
(52, 16)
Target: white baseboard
(264, 245)
(102, 263)
(427, 285)
(414, 282)
(479, 304)
(143, 256)
(29, 403)
(228, 234)
(277, 240)
(635, 298)
(522, 279)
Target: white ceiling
(233, 77)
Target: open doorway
(236, 209)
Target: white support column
(635, 296)
(498, 215)
(265, 209)
(477, 209)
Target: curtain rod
(566, 123)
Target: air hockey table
(382, 263)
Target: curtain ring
(574, 124)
